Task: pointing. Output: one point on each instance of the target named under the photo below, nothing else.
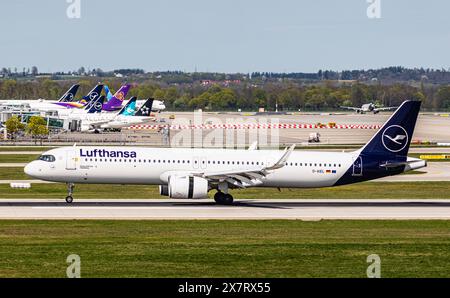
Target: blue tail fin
(96, 105)
(130, 108)
(394, 138)
(70, 94)
(93, 94)
(108, 93)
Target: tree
(13, 126)
(34, 71)
(8, 89)
(37, 128)
(81, 71)
(357, 95)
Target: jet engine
(186, 187)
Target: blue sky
(224, 36)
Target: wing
(242, 178)
(351, 108)
(384, 109)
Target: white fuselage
(39, 105)
(154, 166)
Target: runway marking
(115, 208)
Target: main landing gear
(70, 187)
(223, 198)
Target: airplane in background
(184, 173)
(367, 108)
(114, 104)
(81, 104)
(157, 106)
(41, 104)
(93, 120)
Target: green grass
(17, 158)
(13, 174)
(276, 248)
(366, 190)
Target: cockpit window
(47, 158)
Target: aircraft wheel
(218, 197)
(228, 199)
(223, 199)
(69, 199)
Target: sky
(224, 35)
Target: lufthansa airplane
(191, 173)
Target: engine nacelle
(187, 187)
(164, 190)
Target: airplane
(128, 116)
(113, 104)
(367, 108)
(157, 106)
(93, 121)
(81, 104)
(40, 104)
(191, 173)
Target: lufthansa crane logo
(98, 106)
(93, 95)
(394, 138)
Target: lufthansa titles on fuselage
(107, 153)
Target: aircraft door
(357, 166)
(71, 160)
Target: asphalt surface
(243, 209)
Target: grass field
(366, 190)
(17, 158)
(225, 248)
(13, 174)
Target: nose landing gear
(70, 187)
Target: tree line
(245, 96)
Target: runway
(242, 209)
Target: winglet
(282, 161)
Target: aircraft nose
(31, 169)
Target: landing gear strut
(70, 187)
(223, 198)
